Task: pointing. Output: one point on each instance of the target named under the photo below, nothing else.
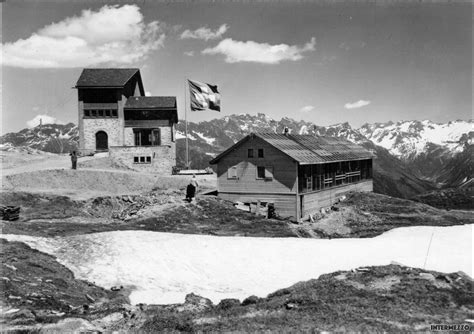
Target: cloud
(237, 51)
(147, 93)
(45, 119)
(306, 109)
(358, 104)
(204, 33)
(112, 35)
(189, 53)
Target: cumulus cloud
(358, 104)
(204, 33)
(250, 51)
(45, 119)
(189, 53)
(306, 109)
(112, 35)
(147, 93)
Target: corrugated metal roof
(150, 102)
(308, 149)
(105, 77)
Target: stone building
(115, 116)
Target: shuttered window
(265, 173)
(232, 172)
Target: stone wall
(112, 126)
(161, 158)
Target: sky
(319, 61)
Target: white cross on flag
(204, 96)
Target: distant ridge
(413, 157)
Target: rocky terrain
(360, 215)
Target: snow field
(162, 268)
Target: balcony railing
(324, 181)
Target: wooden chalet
(299, 174)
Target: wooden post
(257, 210)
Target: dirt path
(17, 163)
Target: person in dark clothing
(191, 189)
(73, 159)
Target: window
(232, 172)
(142, 160)
(260, 152)
(265, 173)
(102, 113)
(250, 153)
(147, 137)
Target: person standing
(191, 189)
(73, 159)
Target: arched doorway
(101, 141)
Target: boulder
(195, 303)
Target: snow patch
(303, 130)
(208, 140)
(180, 135)
(237, 267)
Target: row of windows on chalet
(100, 113)
(318, 177)
(322, 176)
(250, 153)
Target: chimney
(286, 132)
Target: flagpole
(186, 122)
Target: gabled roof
(308, 149)
(106, 77)
(151, 102)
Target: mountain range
(413, 157)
